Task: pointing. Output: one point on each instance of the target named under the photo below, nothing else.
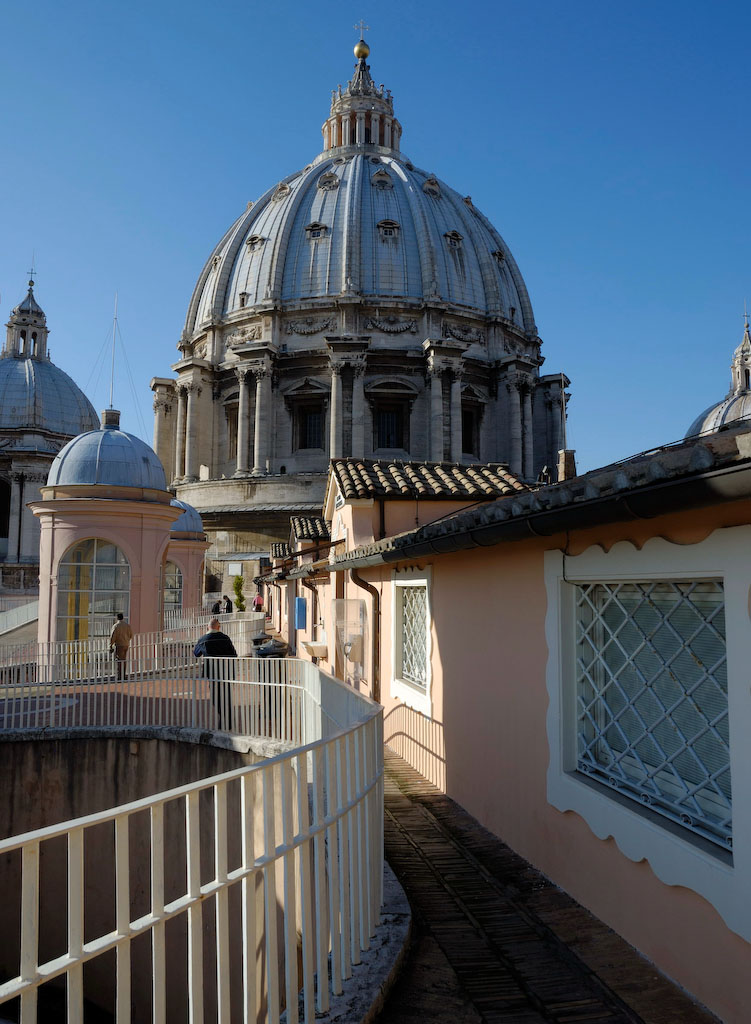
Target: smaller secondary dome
(189, 522)
(108, 456)
(37, 395)
(736, 406)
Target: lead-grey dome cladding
(107, 456)
(37, 395)
(370, 225)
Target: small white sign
(235, 568)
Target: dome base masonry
(361, 307)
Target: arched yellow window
(93, 585)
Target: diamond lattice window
(652, 705)
(414, 637)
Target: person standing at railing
(120, 636)
(212, 646)
(227, 605)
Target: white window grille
(652, 697)
(413, 634)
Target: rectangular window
(310, 426)
(470, 431)
(389, 424)
(652, 697)
(412, 619)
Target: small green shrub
(237, 586)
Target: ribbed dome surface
(107, 456)
(732, 409)
(36, 394)
(189, 522)
(361, 224)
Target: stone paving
(494, 940)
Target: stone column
(180, 433)
(528, 445)
(397, 137)
(261, 430)
(515, 425)
(436, 414)
(360, 127)
(191, 432)
(345, 129)
(456, 415)
(335, 411)
(14, 521)
(243, 423)
(358, 411)
(162, 440)
(375, 128)
(387, 131)
(555, 426)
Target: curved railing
(257, 888)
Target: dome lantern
(26, 335)
(362, 113)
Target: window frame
(411, 693)
(676, 855)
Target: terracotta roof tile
(309, 527)
(279, 550)
(367, 478)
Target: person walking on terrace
(227, 605)
(213, 646)
(120, 636)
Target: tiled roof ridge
(718, 453)
(396, 478)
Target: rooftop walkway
(494, 940)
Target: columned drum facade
(361, 307)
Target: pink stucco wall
(486, 744)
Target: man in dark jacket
(211, 646)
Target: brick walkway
(494, 940)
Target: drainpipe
(360, 582)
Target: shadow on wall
(419, 740)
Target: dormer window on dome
(454, 239)
(388, 229)
(281, 191)
(254, 242)
(381, 179)
(431, 187)
(499, 257)
(328, 182)
(316, 230)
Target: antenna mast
(112, 371)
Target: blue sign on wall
(301, 613)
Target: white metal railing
(18, 614)
(163, 651)
(272, 873)
(193, 617)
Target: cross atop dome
(362, 113)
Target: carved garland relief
(310, 325)
(243, 335)
(391, 325)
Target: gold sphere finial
(362, 50)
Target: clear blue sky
(608, 143)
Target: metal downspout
(376, 652)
